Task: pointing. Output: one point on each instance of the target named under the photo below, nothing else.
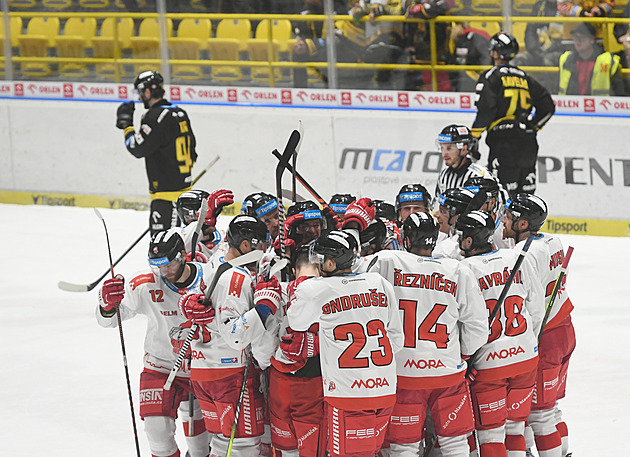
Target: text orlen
(353, 301)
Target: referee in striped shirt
(458, 148)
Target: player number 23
(357, 334)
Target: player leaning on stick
(526, 214)
(155, 293)
(444, 321)
(505, 367)
(233, 323)
(166, 142)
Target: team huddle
(398, 329)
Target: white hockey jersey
(547, 254)
(359, 333)
(443, 314)
(149, 294)
(216, 246)
(512, 346)
(235, 326)
(448, 248)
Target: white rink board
(73, 147)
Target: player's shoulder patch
(236, 283)
(478, 170)
(141, 279)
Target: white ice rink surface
(63, 387)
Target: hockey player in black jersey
(506, 97)
(166, 142)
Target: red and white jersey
(448, 248)
(216, 246)
(359, 333)
(499, 240)
(512, 346)
(547, 254)
(443, 314)
(235, 326)
(147, 293)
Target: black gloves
(124, 115)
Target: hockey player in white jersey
(211, 241)
(506, 365)
(155, 293)
(526, 214)
(263, 206)
(412, 198)
(359, 333)
(452, 203)
(233, 324)
(296, 398)
(458, 149)
(444, 321)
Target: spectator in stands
(586, 8)
(588, 70)
(471, 48)
(622, 34)
(543, 40)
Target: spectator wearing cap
(588, 70)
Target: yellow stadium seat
(523, 6)
(258, 49)
(237, 29)
(198, 5)
(487, 6)
(610, 42)
(57, 4)
(225, 49)
(40, 35)
(619, 7)
(192, 38)
(15, 28)
(95, 4)
(77, 36)
(121, 4)
(147, 44)
(104, 45)
(489, 27)
(281, 32)
(22, 4)
(518, 30)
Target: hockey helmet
(420, 230)
(456, 200)
(529, 207)
(454, 133)
(478, 225)
(336, 245)
(258, 204)
(339, 202)
(151, 80)
(373, 237)
(487, 184)
(505, 45)
(188, 205)
(413, 193)
(248, 228)
(166, 246)
(307, 207)
(384, 210)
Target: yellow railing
(433, 66)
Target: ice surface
(63, 385)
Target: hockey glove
(111, 294)
(267, 297)
(124, 115)
(216, 201)
(289, 245)
(332, 219)
(199, 257)
(299, 346)
(361, 211)
(192, 307)
(291, 221)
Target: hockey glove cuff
(111, 294)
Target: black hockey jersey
(166, 141)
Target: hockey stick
(289, 150)
(285, 163)
(239, 403)
(295, 154)
(253, 256)
(556, 288)
(71, 287)
(122, 338)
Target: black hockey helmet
(339, 202)
(384, 210)
(529, 207)
(375, 234)
(487, 184)
(309, 208)
(258, 204)
(248, 228)
(478, 225)
(505, 45)
(165, 246)
(151, 80)
(420, 230)
(455, 133)
(188, 205)
(336, 245)
(456, 200)
(413, 193)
